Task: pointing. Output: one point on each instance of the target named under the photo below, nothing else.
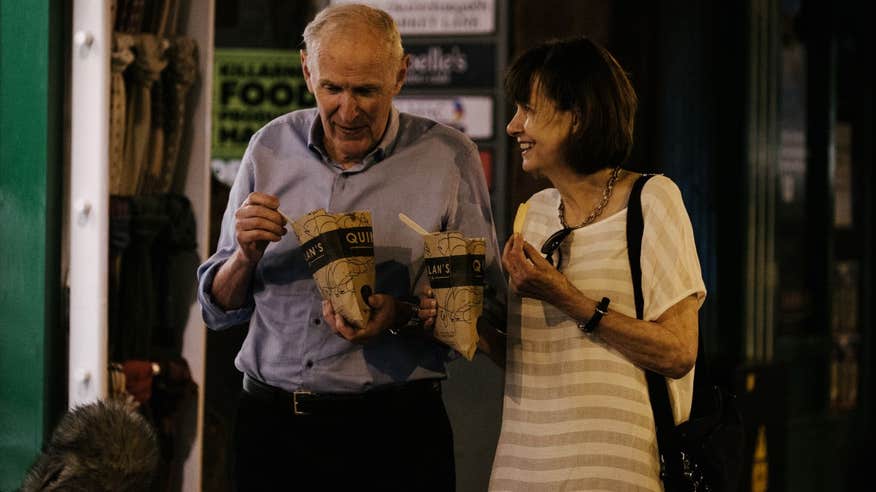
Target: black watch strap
(414, 320)
(593, 322)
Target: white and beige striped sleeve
(670, 266)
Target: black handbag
(705, 452)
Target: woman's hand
(530, 275)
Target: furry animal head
(102, 446)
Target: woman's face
(541, 132)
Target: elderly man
(325, 405)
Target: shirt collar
(384, 147)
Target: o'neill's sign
(451, 65)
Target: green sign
(250, 88)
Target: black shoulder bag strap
(635, 229)
(657, 391)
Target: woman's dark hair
(582, 77)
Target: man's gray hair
(339, 18)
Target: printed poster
(250, 88)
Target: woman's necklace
(596, 212)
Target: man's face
(354, 80)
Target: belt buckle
(295, 402)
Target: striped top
(576, 412)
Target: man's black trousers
(399, 441)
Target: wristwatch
(593, 322)
(413, 321)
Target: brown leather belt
(377, 400)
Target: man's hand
(385, 313)
(428, 309)
(257, 224)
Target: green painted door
(32, 33)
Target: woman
(576, 409)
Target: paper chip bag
(339, 250)
(455, 266)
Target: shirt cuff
(214, 315)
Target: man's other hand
(384, 315)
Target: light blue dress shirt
(424, 169)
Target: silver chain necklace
(596, 212)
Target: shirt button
(309, 364)
(316, 321)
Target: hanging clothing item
(122, 57)
(173, 410)
(179, 77)
(138, 379)
(137, 292)
(154, 259)
(149, 62)
(174, 266)
(129, 16)
(160, 17)
(120, 239)
(149, 173)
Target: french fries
(520, 218)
